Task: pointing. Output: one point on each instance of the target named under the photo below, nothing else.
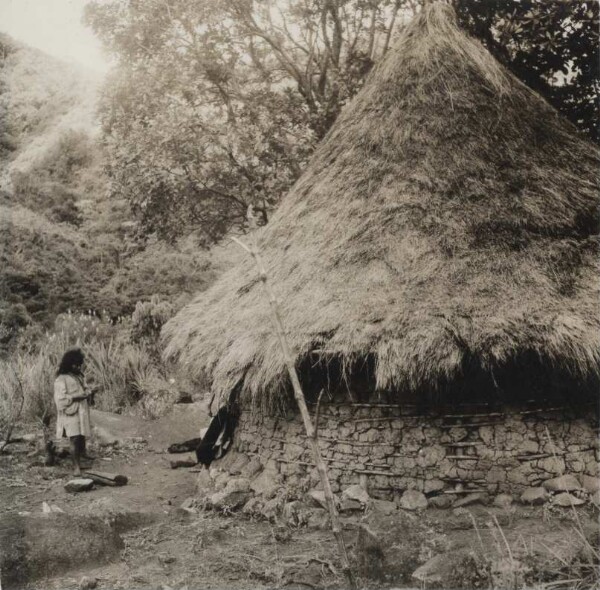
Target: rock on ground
(534, 496)
(79, 484)
(564, 483)
(356, 492)
(413, 500)
(567, 500)
(503, 500)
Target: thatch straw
(449, 211)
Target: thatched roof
(449, 211)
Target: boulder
(356, 492)
(272, 508)
(590, 484)
(238, 484)
(441, 501)
(564, 483)
(566, 500)
(266, 483)
(220, 478)
(469, 499)
(297, 513)
(252, 468)
(238, 464)
(413, 500)
(503, 500)
(229, 499)
(79, 484)
(535, 495)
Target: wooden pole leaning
(311, 433)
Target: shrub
(148, 318)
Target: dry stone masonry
(393, 449)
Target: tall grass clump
(123, 364)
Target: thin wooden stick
(315, 433)
(311, 435)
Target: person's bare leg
(76, 453)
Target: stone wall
(466, 450)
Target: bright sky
(54, 26)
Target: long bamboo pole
(311, 433)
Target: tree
(551, 46)
(216, 105)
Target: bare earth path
(169, 548)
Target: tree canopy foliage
(217, 104)
(551, 46)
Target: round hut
(436, 268)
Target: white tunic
(73, 417)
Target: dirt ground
(166, 547)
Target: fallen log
(106, 479)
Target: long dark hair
(71, 362)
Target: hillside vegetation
(65, 243)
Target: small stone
(189, 504)
(595, 499)
(564, 483)
(534, 496)
(88, 583)
(79, 484)
(238, 484)
(590, 484)
(567, 500)
(469, 499)
(413, 500)
(503, 500)
(441, 501)
(356, 492)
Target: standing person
(72, 408)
